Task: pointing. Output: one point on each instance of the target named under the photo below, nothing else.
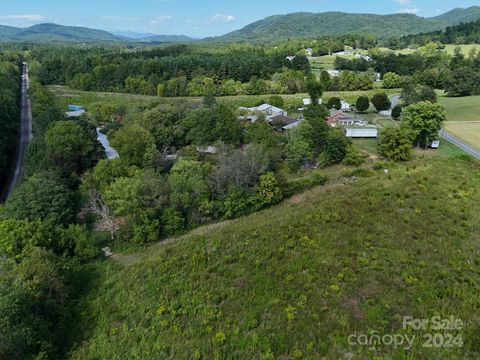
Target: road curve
(459, 143)
(26, 134)
(394, 100)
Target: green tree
(41, 199)
(335, 147)
(315, 90)
(130, 196)
(363, 103)
(132, 142)
(325, 80)
(392, 80)
(300, 146)
(396, 142)
(334, 103)
(425, 119)
(190, 192)
(277, 101)
(261, 132)
(69, 146)
(381, 102)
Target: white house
(346, 107)
(333, 72)
(265, 109)
(307, 102)
(363, 57)
(340, 53)
(207, 149)
(309, 51)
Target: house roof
(286, 120)
(361, 132)
(338, 114)
(264, 107)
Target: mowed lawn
(466, 48)
(467, 131)
(463, 118)
(462, 108)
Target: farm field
(67, 96)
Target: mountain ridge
(268, 30)
(333, 23)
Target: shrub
(397, 112)
(353, 157)
(146, 229)
(172, 221)
(237, 203)
(268, 192)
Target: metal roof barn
(361, 133)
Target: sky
(196, 18)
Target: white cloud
(412, 10)
(160, 19)
(222, 18)
(403, 2)
(23, 17)
(119, 18)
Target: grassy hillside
(294, 281)
(310, 25)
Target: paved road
(465, 147)
(26, 134)
(394, 100)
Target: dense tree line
(465, 33)
(42, 242)
(170, 71)
(9, 114)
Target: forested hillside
(310, 25)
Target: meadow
(66, 95)
(294, 281)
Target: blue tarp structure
(75, 108)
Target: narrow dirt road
(25, 137)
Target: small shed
(361, 132)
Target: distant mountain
(312, 25)
(133, 35)
(55, 33)
(168, 39)
(460, 15)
